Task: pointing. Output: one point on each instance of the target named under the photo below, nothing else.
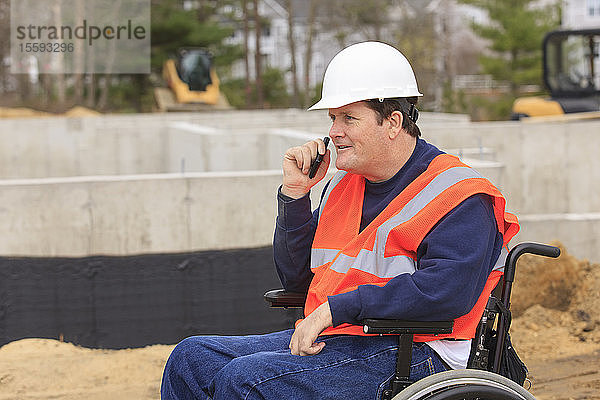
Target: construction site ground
(556, 331)
(24, 112)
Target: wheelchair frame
(481, 379)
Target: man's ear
(395, 120)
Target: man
(402, 231)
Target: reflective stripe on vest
(381, 267)
(501, 262)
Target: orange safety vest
(342, 258)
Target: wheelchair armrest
(285, 299)
(405, 331)
(401, 327)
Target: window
(266, 30)
(593, 8)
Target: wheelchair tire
(464, 384)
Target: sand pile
(49, 369)
(23, 112)
(556, 305)
(79, 111)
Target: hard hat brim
(323, 104)
(327, 103)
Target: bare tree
(105, 85)
(310, 31)
(78, 88)
(61, 87)
(449, 55)
(90, 95)
(45, 84)
(350, 17)
(4, 44)
(416, 37)
(335, 21)
(79, 60)
(110, 57)
(292, 45)
(248, 88)
(257, 57)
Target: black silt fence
(134, 301)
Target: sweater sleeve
(453, 263)
(294, 233)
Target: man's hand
(307, 331)
(296, 164)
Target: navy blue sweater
(453, 260)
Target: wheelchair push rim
(464, 384)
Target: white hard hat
(363, 71)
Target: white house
(581, 14)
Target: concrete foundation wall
(126, 215)
(210, 179)
(159, 143)
(580, 233)
(549, 167)
(143, 144)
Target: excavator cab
(192, 77)
(193, 67)
(571, 74)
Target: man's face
(360, 143)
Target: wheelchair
(481, 379)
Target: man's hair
(385, 108)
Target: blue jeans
(262, 367)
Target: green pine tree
(515, 32)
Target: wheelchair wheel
(464, 384)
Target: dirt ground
(556, 331)
(557, 326)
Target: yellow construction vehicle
(192, 81)
(571, 74)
